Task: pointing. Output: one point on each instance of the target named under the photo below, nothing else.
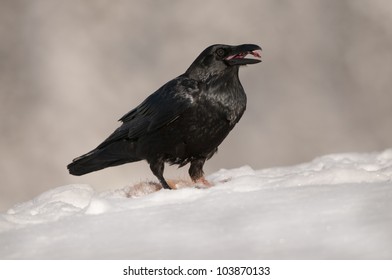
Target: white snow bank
(335, 207)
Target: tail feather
(111, 155)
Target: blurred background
(70, 69)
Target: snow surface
(335, 207)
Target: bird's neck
(207, 75)
(227, 76)
(225, 80)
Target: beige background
(70, 69)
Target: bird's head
(219, 58)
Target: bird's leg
(196, 172)
(157, 168)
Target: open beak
(244, 54)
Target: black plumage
(182, 122)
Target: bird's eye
(220, 52)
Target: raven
(182, 122)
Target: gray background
(70, 69)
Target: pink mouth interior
(255, 53)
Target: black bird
(182, 122)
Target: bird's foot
(202, 183)
(177, 184)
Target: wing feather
(159, 109)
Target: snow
(334, 207)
